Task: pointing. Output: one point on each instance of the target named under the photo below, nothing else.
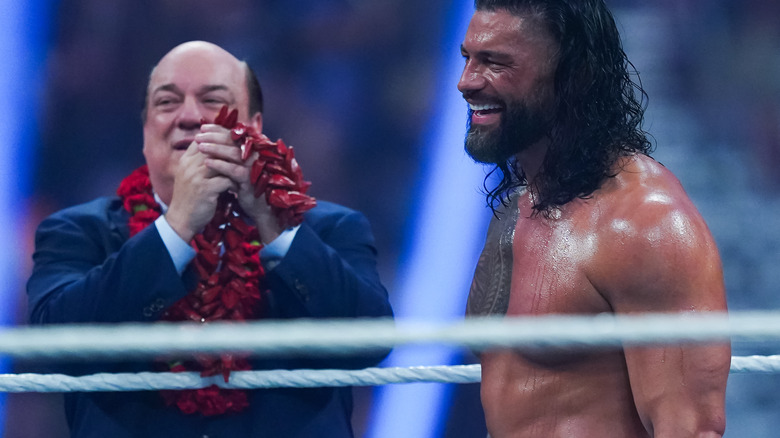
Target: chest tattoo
(489, 294)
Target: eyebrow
(203, 90)
(486, 54)
(209, 88)
(166, 87)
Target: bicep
(673, 267)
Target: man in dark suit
(88, 268)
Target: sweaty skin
(637, 245)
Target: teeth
(483, 107)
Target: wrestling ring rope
(349, 337)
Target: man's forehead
(201, 62)
(500, 32)
(499, 20)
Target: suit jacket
(88, 270)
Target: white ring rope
(288, 378)
(238, 379)
(344, 337)
(340, 337)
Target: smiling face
(508, 82)
(192, 82)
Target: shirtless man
(589, 224)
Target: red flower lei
(227, 258)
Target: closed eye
(166, 102)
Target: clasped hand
(211, 165)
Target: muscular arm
(662, 258)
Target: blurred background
(365, 91)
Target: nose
(190, 114)
(471, 79)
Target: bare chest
(551, 261)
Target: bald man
(88, 268)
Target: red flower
(136, 182)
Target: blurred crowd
(352, 86)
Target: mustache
(482, 97)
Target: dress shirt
(182, 253)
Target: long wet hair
(597, 110)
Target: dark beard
(521, 126)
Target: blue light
(445, 244)
(22, 44)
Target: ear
(256, 121)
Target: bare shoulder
(646, 201)
(654, 247)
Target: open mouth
(485, 113)
(182, 145)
